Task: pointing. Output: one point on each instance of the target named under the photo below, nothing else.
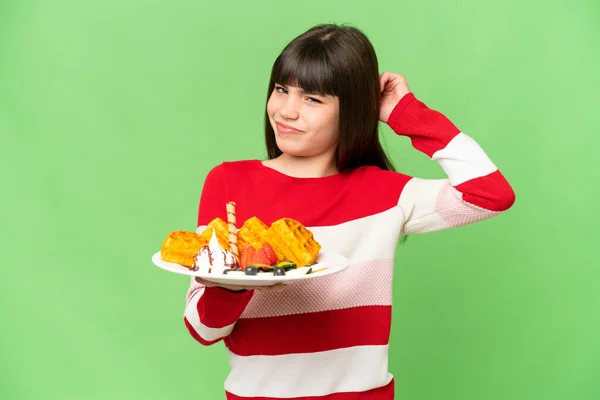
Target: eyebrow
(311, 93)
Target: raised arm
(474, 189)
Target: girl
(327, 338)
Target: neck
(304, 167)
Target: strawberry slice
(265, 255)
(247, 255)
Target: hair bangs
(307, 67)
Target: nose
(289, 108)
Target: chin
(292, 150)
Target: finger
(234, 288)
(273, 288)
(383, 78)
(210, 283)
(263, 288)
(206, 283)
(278, 288)
(401, 80)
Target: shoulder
(239, 164)
(233, 167)
(218, 175)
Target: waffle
(292, 241)
(252, 232)
(222, 232)
(181, 246)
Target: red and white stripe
(360, 285)
(327, 338)
(381, 393)
(352, 369)
(340, 323)
(206, 333)
(462, 159)
(210, 313)
(474, 189)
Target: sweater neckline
(329, 179)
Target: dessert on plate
(180, 247)
(285, 248)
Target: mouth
(283, 128)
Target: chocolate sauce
(211, 259)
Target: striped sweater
(328, 338)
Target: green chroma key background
(112, 112)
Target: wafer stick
(231, 224)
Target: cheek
(329, 125)
(271, 106)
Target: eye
(313, 100)
(280, 89)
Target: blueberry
(250, 270)
(279, 271)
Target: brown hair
(340, 61)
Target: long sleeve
(211, 312)
(474, 189)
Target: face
(305, 124)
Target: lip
(283, 128)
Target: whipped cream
(213, 259)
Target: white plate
(335, 263)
